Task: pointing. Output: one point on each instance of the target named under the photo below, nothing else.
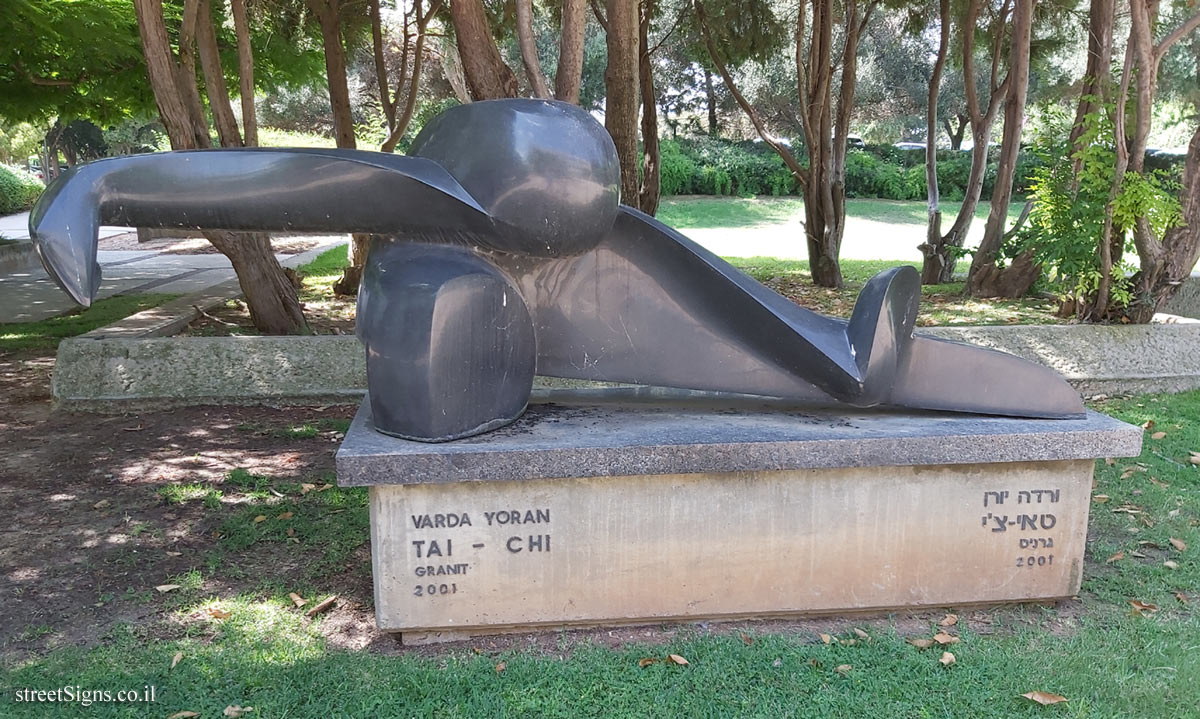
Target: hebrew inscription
(1035, 551)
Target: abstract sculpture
(501, 250)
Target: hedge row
(18, 190)
(712, 166)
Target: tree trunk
(185, 73)
(955, 136)
(934, 263)
(452, 69)
(570, 51)
(270, 295)
(528, 45)
(269, 292)
(214, 79)
(329, 15)
(648, 192)
(241, 27)
(488, 78)
(984, 278)
(1099, 68)
(621, 91)
(710, 99)
(418, 62)
(381, 73)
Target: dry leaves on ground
(1158, 435)
(1143, 608)
(218, 613)
(944, 638)
(921, 643)
(1044, 698)
(1118, 556)
(322, 606)
(676, 659)
(500, 667)
(947, 659)
(843, 669)
(298, 600)
(949, 620)
(164, 588)
(260, 518)
(183, 715)
(1178, 544)
(233, 711)
(176, 659)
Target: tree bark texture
(650, 188)
(986, 278)
(488, 78)
(934, 264)
(710, 100)
(621, 91)
(528, 44)
(569, 76)
(241, 28)
(328, 14)
(214, 79)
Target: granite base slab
(610, 507)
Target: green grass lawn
(1108, 660)
(704, 211)
(46, 334)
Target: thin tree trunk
(528, 45)
(241, 28)
(381, 73)
(185, 73)
(410, 104)
(934, 263)
(160, 67)
(488, 78)
(1099, 67)
(621, 91)
(329, 15)
(985, 278)
(452, 69)
(648, 192)
(214, 79)
(710, 99)
(569, 75)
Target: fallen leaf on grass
(949, 620)
(291, 532)
(1143, 608)
(285, 515)
(101, 504)
(861, 634)
(321, 607)
(1158, 435)
(1178, 544)
(164, 588)
(1158, 483)
(176, 659)
(174, 554)
(944, 638)
(501, 666)
(298, 600)
(1115, 557)
(947, 659)
(921, 643)
(1100, 498)
(1148, 424)
(324, 487)
(826, 639)
(260, 518)
(233, 711)
(1044, 698)
(675, 658)
(1170, 565)
(305, 488)
(183, 715)
(1182, 598)
(1110, 461)
(218, 613)
(747, 639)
(1139, 555)
(843, 669)
(1194, 457)
(647, 661)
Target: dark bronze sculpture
(503, 251)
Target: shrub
(18, 190)
(676, 169)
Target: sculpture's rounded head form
(546, 171)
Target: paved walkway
(29, 295)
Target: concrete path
(29, 295)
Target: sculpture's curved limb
(650, 306)
(258, 189)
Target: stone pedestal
(599, 507)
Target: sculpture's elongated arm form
(650, 306)
(296, 190)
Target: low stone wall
(107, 373)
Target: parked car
(909, 145)
(856, 142)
